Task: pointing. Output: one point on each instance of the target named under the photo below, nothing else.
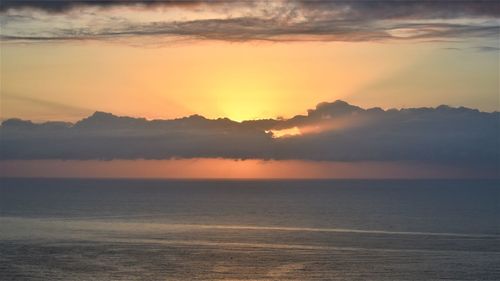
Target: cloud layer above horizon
(331, 132)
(277, 21)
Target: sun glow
(235, 80)
(210, 168)
(244, 107)
(295, 131)
(325, 125)
(244, 92)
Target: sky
(64, 60)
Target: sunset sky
(243, 60)
(63, 60)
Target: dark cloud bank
(277, 20)
(333, 132)
(367, 9)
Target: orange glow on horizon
(210, 168)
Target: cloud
(487, 49)
(59, 6)
(280, 21)
(366, 9)
(331, 132)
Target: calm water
(249, 230)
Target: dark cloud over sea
(334, 131)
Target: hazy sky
(62, 60)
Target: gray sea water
(74, 229)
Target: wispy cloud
(367, 9)
(487, 49)
(247, 21)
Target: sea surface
(83, 229)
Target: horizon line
(246, 179)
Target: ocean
(105, 229)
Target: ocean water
(75, 229)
